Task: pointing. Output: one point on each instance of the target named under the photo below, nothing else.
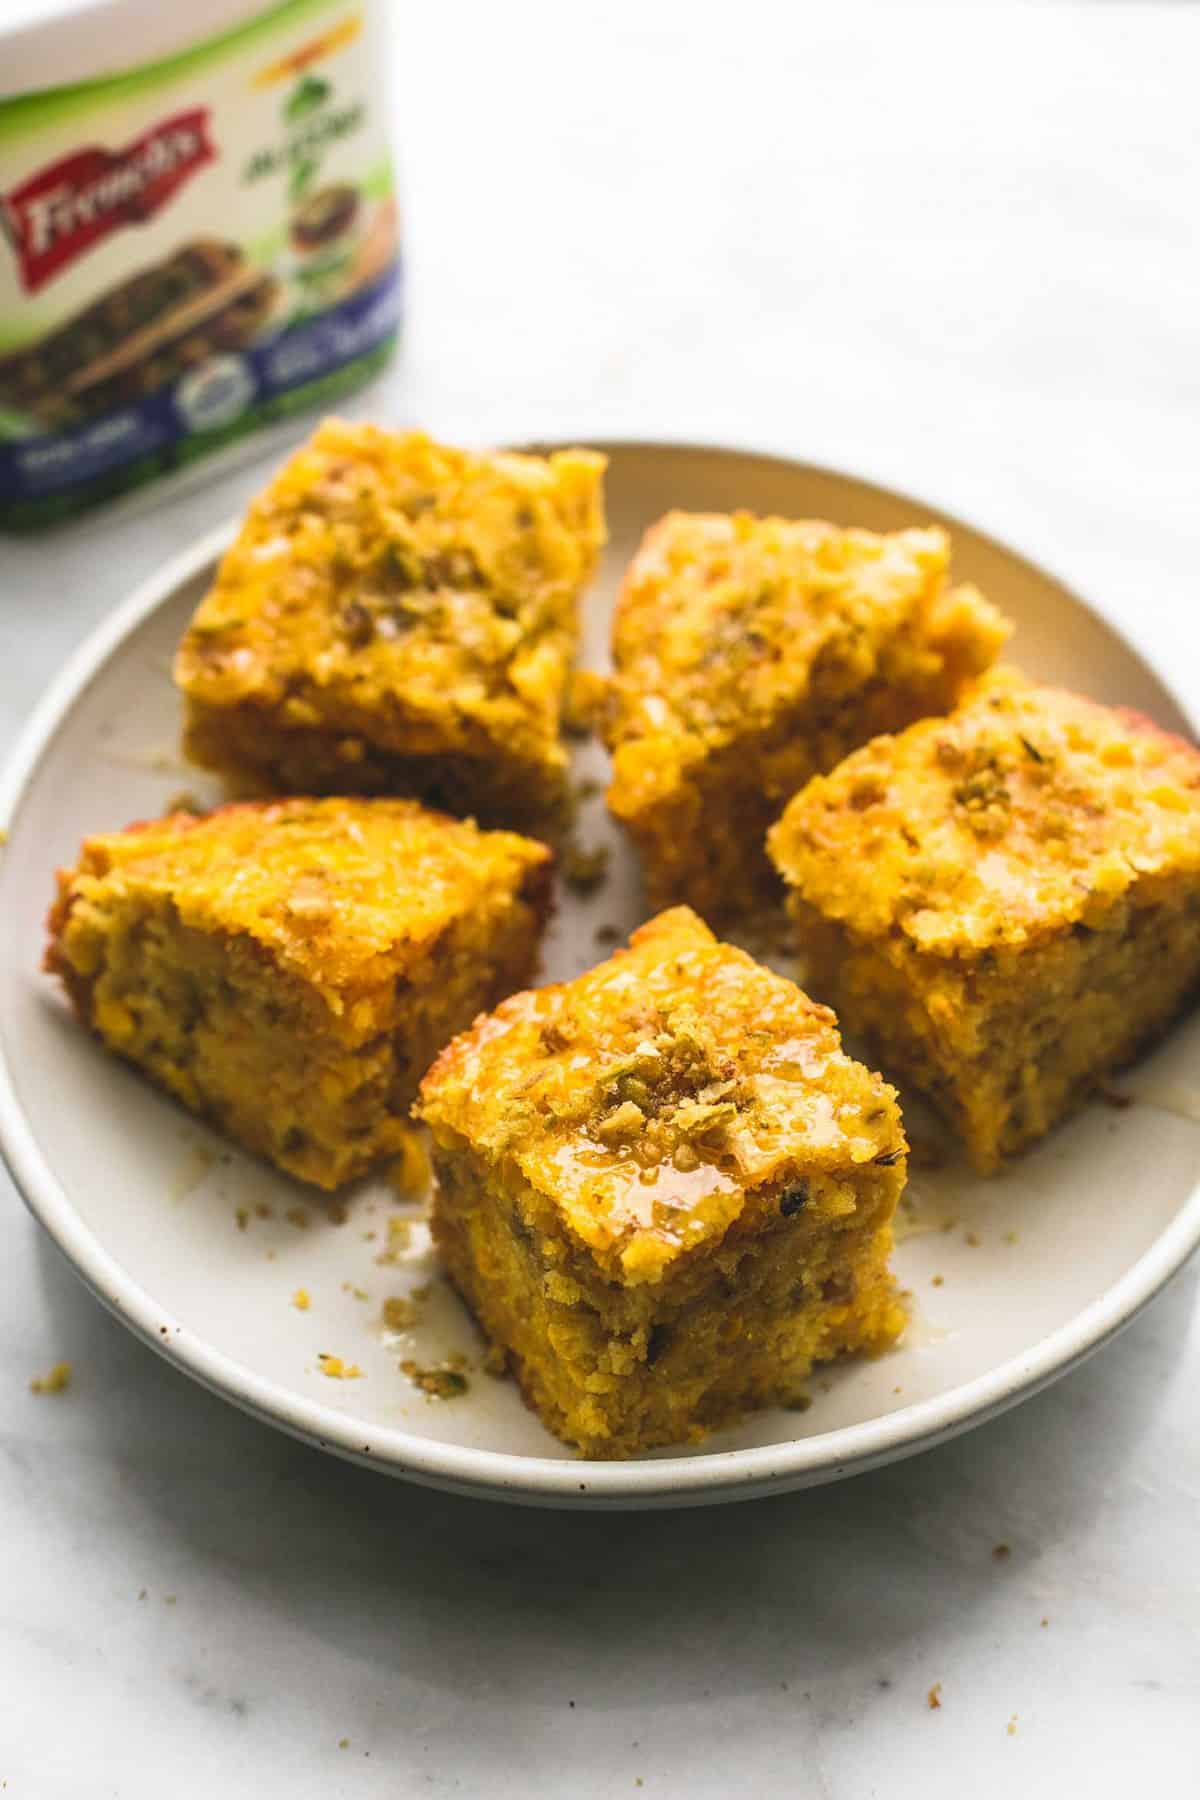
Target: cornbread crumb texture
(751, 653)
(56, 1382)
(398, 617)
(288, 969)
(1007, 901)
(440, 1381)
(664, 1189)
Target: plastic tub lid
(56, 43)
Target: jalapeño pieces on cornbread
(1006, 902)
(665, 1190)
(289, 969)
(752, 653)
(399, 617)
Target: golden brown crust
(1006, 903)
(750, 653)
(341, 892)
(1028, 811)
(664, 1190)
(390, 602)
(651, 1098)
(289, 968)
(724, 619)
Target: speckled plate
(200, 1250)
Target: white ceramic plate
(1038, 1268)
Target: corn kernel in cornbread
(397, 617)
(749, 654)
(289, 969)
(665, 1190)
(1007, 901)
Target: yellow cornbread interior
(748, 655)
(1031, 915)
(665, 1190)
(288, 970)
(398, 616)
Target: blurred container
(200, 235)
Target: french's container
(200, 235)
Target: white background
(955, 249)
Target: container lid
(56, 43)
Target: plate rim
(663, 1481)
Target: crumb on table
(56, 1382)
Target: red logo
(67, 207)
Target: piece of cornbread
(1006, 901)
(665, 1190)
(398, 617)
(748, 655)
(289, 969)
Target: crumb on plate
(444, 1382)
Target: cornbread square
(750, 654)
(665, 1190)
(397, 617)
(289, 969)
(1007, 901)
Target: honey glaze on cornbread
(672, 1146)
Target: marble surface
(956, 249)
